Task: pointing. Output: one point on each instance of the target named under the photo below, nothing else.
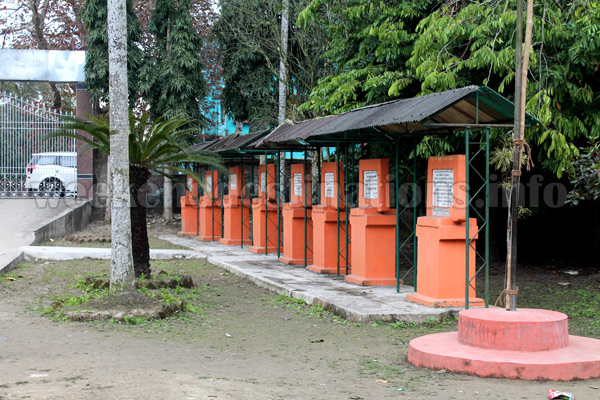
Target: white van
(52, 174)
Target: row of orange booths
(342, 195)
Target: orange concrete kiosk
(210, 210)
(189, 210)
(373, 227)
(294, 213)
(530, 344)
(234, 229)
(442, 233)
(325, 220)
(264, 213)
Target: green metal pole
(468, 206)
(305, 189)
(266, 203)
(487, 216)
(222, 181)
(242, 187)
(397, 146)
(197, 204)
(212, 195)
(415, 212)
(337, 165)
(252, 194)
(319, 156)
(278, 194)
(346, 205)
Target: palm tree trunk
(139, 230)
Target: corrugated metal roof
(295, 132)
(204, 145)
(236, 142)
(444, 111)
(395, 112)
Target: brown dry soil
(241, 342)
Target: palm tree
(158, 147)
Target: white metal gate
(30, 164)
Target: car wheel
(52, 187)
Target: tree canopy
(369, 44)
(94, 15)
(172, 74)
(473, 44)
(248, 35)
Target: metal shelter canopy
(437, 113)
(204, 145)
(236, 144)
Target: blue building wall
(220, 123)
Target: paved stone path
(20, 218)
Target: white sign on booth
(297, 184)
(233, 181)
(329, 185)
(442, 192)
(370, 185)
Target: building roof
(437, 113)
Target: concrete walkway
(28, 221)
(79, 253)
(355, 303)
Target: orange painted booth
(190, 224)
(210, 210)
(325, 220)
(373, 227)
(441, 250)
(264, 213)
(294, 214)
(234, 212)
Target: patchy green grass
(76, 289)
(548, 288)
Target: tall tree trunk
(283, 60)
(139, 229)
(285, 9)
(107, 211)
(122, 279)
(167, 183)
(168, 199)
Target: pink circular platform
(525, 344)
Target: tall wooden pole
(521, 67)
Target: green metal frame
(221, 178)
(276, 179)
(307, 222)
(253, 195)
(212, 199)
(411, 206)
(278, 194)
(478, 197)
(196, 168)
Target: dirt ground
(242, 343)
